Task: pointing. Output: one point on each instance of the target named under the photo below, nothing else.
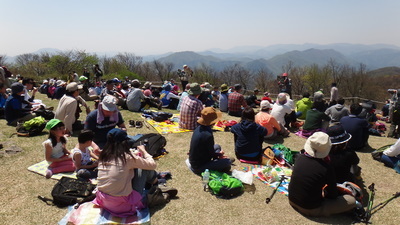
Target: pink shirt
(116, 180)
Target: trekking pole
(384, 203)
(267, 200)
(367, 215)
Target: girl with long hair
(122, 175)
(56, 153)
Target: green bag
(287, 153)
(225, 186)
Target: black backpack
(155, 143)
(69, 191)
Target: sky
(159, 26)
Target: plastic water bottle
(206, 178)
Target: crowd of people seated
(329, 156)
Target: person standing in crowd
(191, 108)
(236, 101)
(312, 188)
(86, 73)
(285, 85)
(334, 95)
(98, 73)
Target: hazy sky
(155, 27)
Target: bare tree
(3, 59)
(263, 80)
(130, 60)
(288, 67)
(298, 75)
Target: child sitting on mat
(82, 156)
(55, 152)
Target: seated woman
(269, 122)
(248, 137)
(391, 156)
(312, 188)
(168, 99)
(342, 159)
(316, 119)
(55, 149)
(122, 175)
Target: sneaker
(172, 192)
(156, 197)
(139, 124)
(49, 173)
(131, 123)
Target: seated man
(252, 100)
(312, 188)
(191, 108)
(13, 110)
(357, 127)
(337, 112)
(103, 119)
(236, 101)
(203, 153)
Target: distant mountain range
(272, 58)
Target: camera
(181, 73)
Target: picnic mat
(256, 170)
(172, 126)
(88, 213)
(40, 168)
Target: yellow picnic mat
(172, 126)
(41, 167)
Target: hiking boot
(49, 173)
(172, 192)
(156, 197)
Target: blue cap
(117, 134)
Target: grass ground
(19, 188)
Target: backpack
(224, 186)
(161, 116)
(31, 127)
(154, 145)
(68, 191)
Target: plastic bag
(245, 177)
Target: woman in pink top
(123, 175)
(266, 120)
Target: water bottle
(206, 178)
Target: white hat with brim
(318, 145)
(109, 103)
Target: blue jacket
(249, 137)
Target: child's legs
(63, 166)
